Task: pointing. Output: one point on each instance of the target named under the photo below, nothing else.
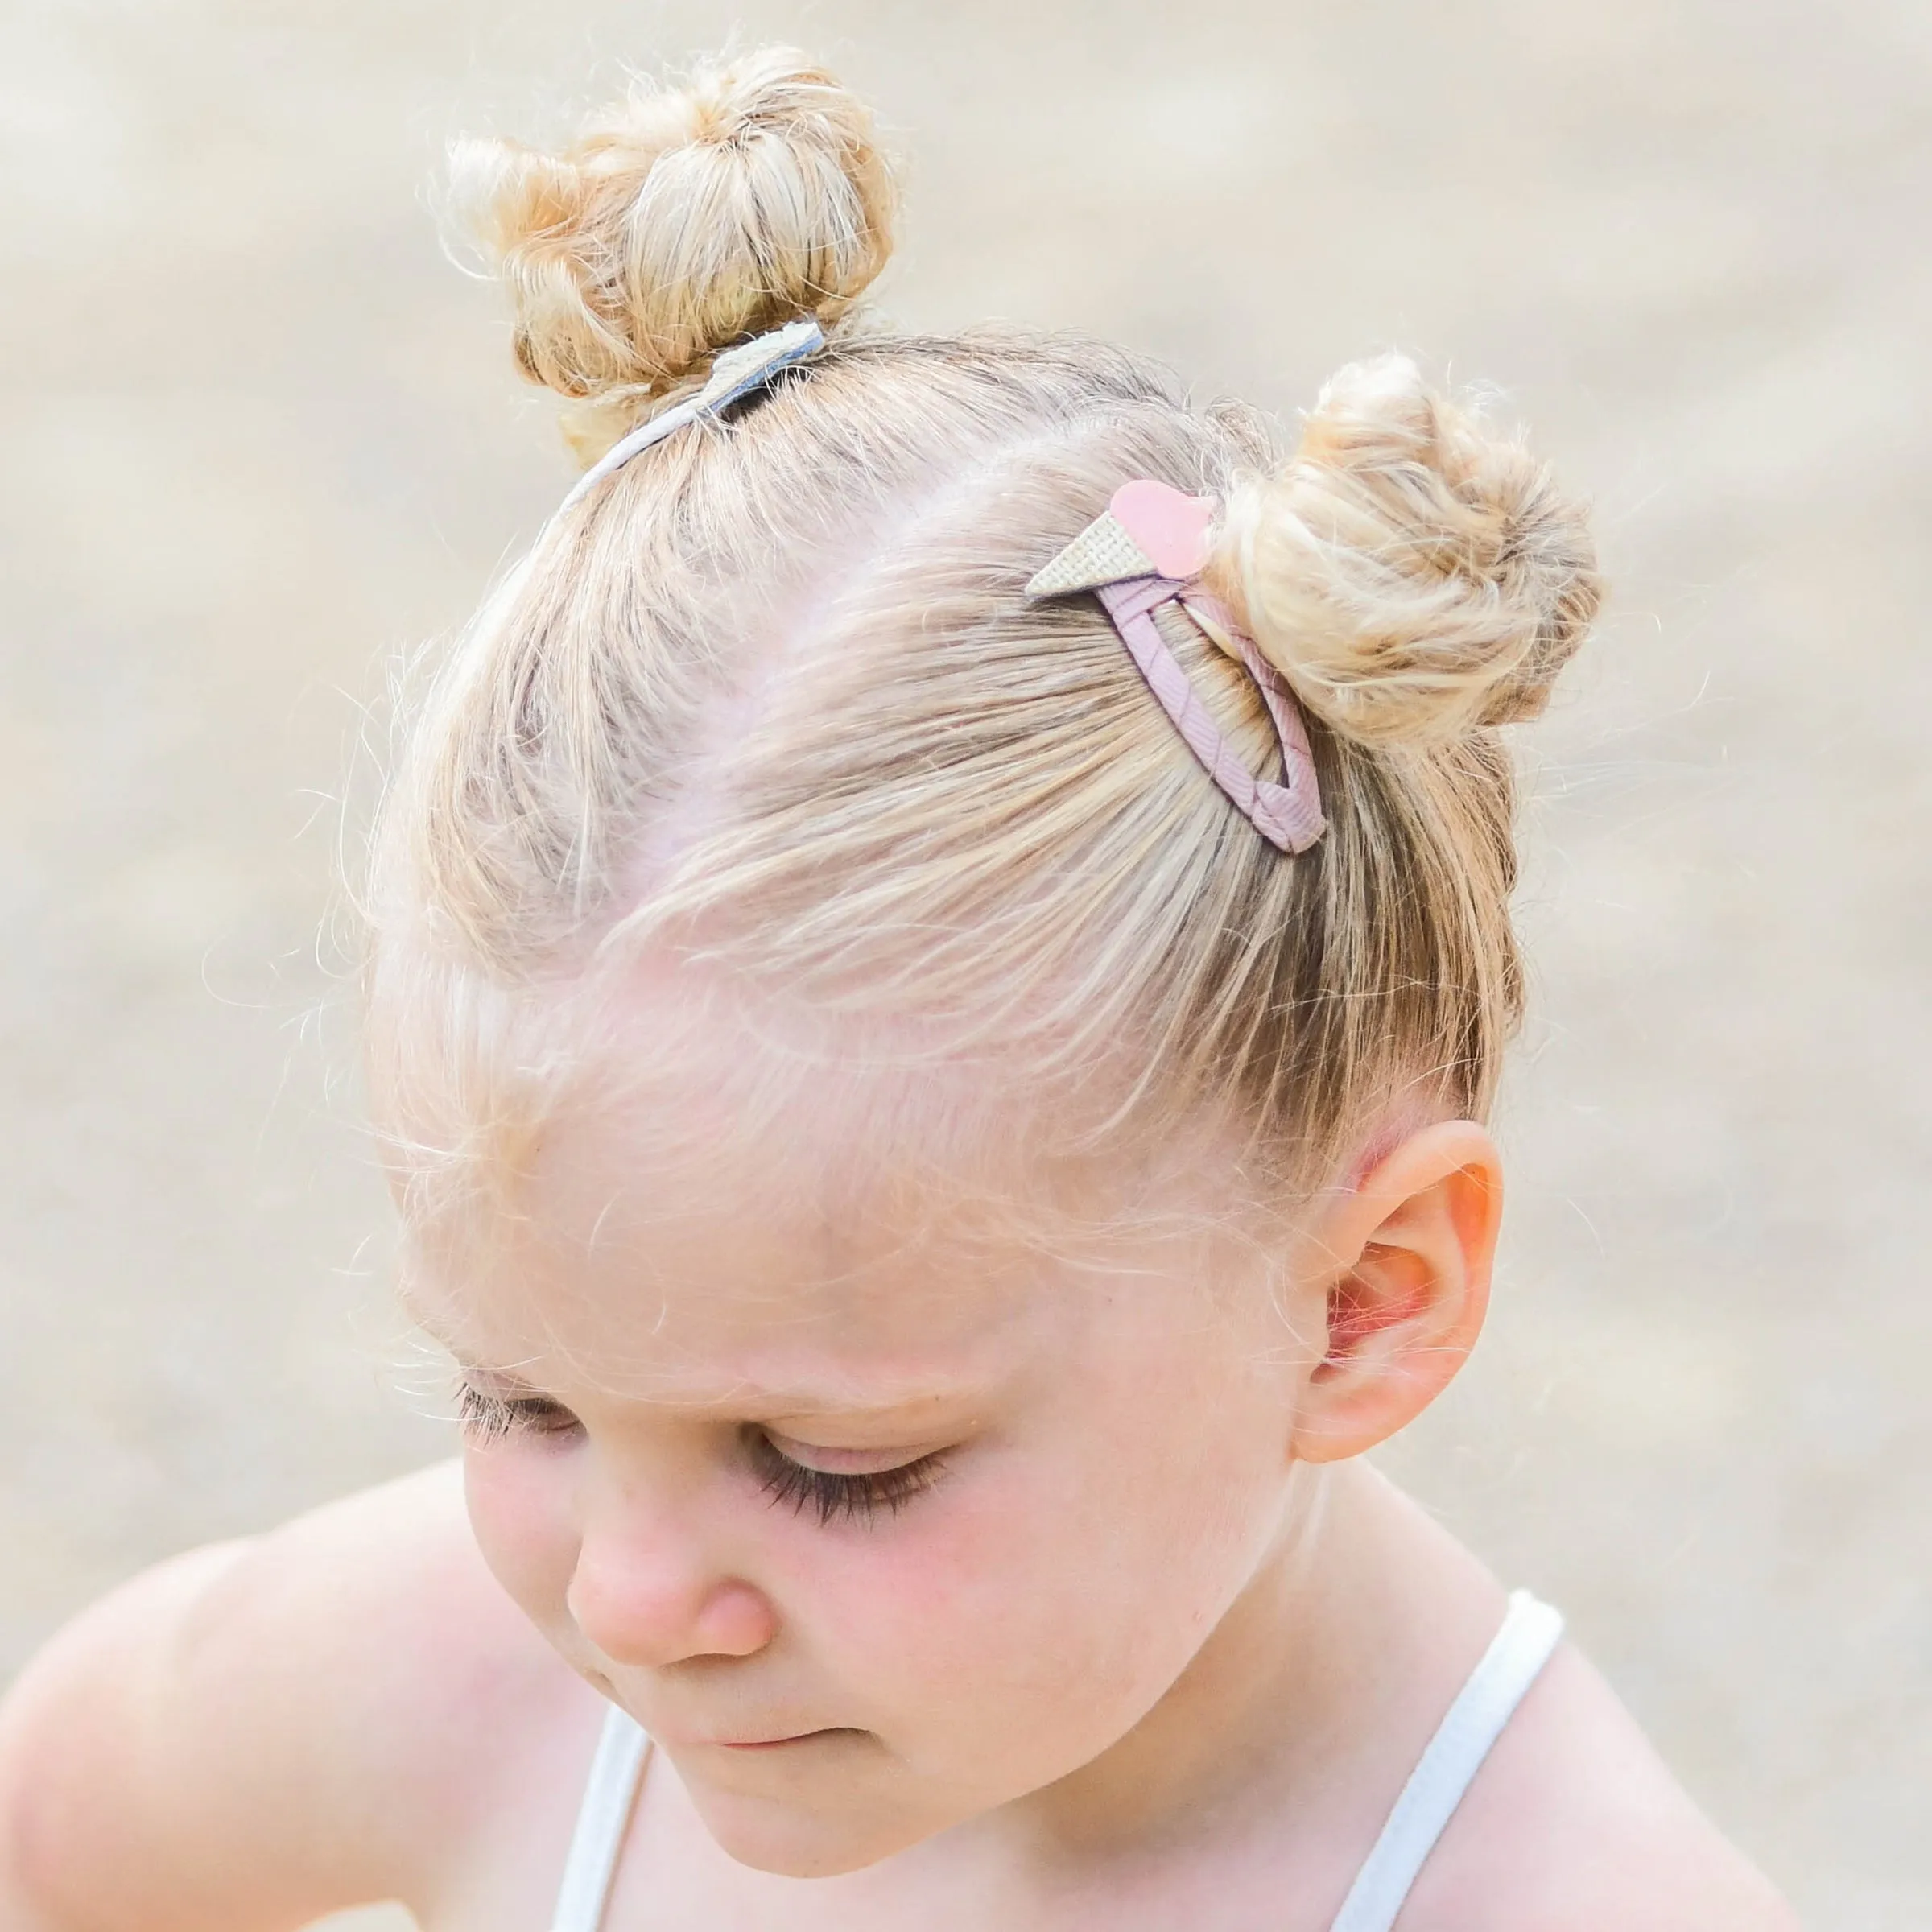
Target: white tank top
(1485, 1704)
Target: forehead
(706, 1212)
(718, 1189)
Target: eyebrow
(753, 1401)
(748, 1399)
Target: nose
(647, 1592)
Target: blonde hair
(771, 696)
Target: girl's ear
(1404, 1282)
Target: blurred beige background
(257, 435)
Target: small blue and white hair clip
(734, 374)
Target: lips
(778, 1744)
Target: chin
(800, 1840)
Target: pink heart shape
(1170, 529)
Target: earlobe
(1404, 1288)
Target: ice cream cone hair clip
(1149, 549)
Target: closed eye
(486, 1417)
(836, 1495)
(831, 1495)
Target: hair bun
(676, 224)
(1410, 575)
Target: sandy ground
(257, 435)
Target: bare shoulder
(330, 1698)
(1575, 1824)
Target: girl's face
(876, 1514)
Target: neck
(1307, 1705)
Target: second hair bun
(678, 223)
(1413, 575)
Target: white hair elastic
(734, 374)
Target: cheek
(521, 1509)
(1044, 1602)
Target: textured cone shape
(1103, 553)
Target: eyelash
(830, 1495)
(488, 1418)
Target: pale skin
(1128, 1636)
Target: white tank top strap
(616, 1774)
(1530, 1632)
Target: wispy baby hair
(770, 701)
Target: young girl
(940, 952)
